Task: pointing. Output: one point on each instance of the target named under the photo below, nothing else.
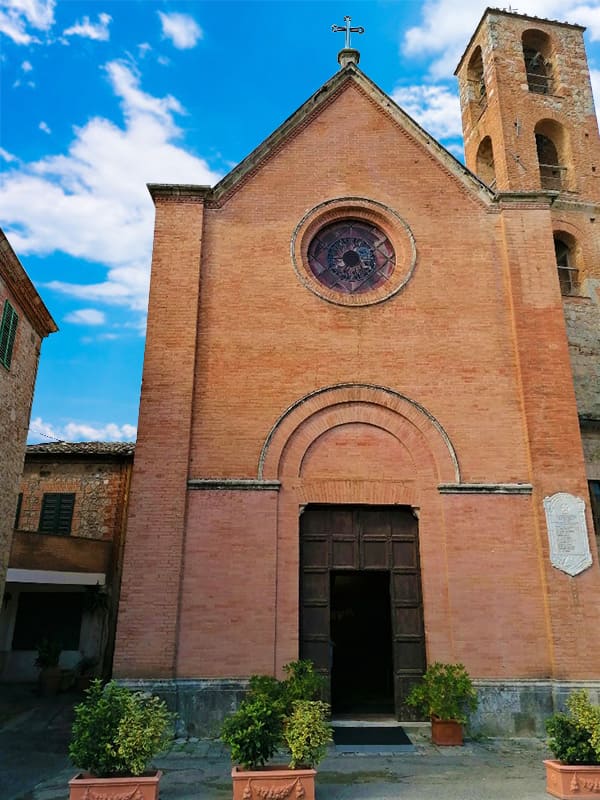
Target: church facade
(370, 401)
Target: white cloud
(595, 78)
(457, 150)
(143, 49)
(92, 202)
(42, 431)
(588, 14)
(435, 107)
(181, 29)
(444, 32)
(18, 17)
(90, 30)
(101, 337)
(26, 66)
(18, 82)
(126, 84)
(6, 156)
(86, 316)
(43, 126)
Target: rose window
(351, 256)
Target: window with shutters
(8, 331)
(57, 513)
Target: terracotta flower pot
(143, 787)
(577, 781)
(273, 783)
(446, 732)
(49, 681)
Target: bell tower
(527, 107)
(529, 125)
(530, 129)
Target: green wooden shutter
(48, 514)
(8, 331)
(65, 513)
(57, 513)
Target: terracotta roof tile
(82, 448)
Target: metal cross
(347, 30)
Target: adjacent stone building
(65, 563)
(24, 322)
(369, 376)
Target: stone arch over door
(359, 445)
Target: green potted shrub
(84, 671)
(446, 694)
(273, 715)
(575, 743)
(115, 735)
(48, 658)
(307, 733)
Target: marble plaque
(567, 532)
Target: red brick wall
(229, 587)
(148, 616)
(476, 337)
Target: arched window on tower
(476, 80)
(485, 163)
(551, 147)
(537, 53)
(565, 251)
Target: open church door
(360, 585)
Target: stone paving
(34, 734)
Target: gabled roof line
(293, 124)
(388, 104)
(323, 96)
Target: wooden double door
(361, 610)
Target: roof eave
(23, 289)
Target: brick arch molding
(304, 421)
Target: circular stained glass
(351, 256)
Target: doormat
(372, 739)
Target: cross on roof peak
(347, 30)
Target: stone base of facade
(201, 705)
(520, 707)
(506, 708)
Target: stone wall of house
(16, 394)
(99, 488)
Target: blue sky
(99, 98)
